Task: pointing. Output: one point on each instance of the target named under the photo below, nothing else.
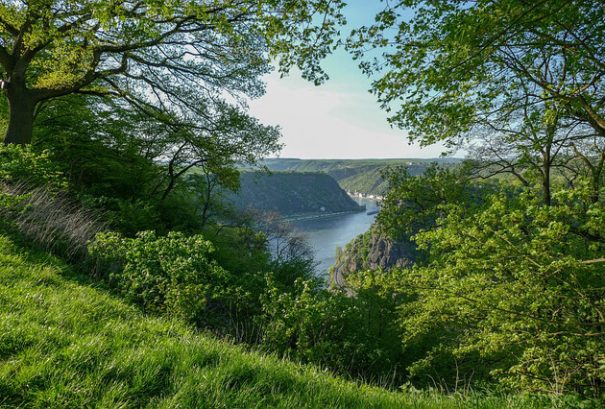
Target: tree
(532, 143)
(452, 70)
(180, 57)
(208, 185)
(415, 203)
(516, 285)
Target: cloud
(336, 120)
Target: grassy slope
(65, 342)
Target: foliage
(216, 286)
(414, 203)
(102, 151)
(172, 274)
(35, 205)
(354, 336)
(171, 61)
(140, 112)
(455, 61)
(519, 286)
(23, 165)
(124, 164)
(520, 83)
(67, 343)
(513, 285)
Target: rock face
(371, 251)
(290, 194)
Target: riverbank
(326, 234)
(317, 216)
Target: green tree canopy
(526, 77)
(516, 288)
(183, 58)
(446, 65)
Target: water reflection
(326, 234)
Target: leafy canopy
(448, 66)
(183, 59)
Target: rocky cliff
(370, 251)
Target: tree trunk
(21, 117)
(595, 185)
(546, 188)
(546, 177)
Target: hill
(371, 250)
(289, 193)
(67, 343)
(355, 175)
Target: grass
(67, 343)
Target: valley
(361, 176)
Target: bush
(21, 169)
(22, 165)
(351, 335)
(173, 274)
(518, 285)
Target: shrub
(352, 335)
(21, 164)
(519, 285)
(173, 274)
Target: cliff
(290, 194)
(370, 251)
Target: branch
(594, 261)
(9, 27)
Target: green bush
(173, 274)
(21, 164)
(21, 168)
(516, 289)
(351, 335)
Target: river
(326, 234)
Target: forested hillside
(355, 175)
(289, 194)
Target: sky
(339, 119)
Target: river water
(325, 235)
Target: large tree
(530, 74)
(178, 57)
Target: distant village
(365, 196)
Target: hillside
(355, 175)
(67, 343)
(371, 250)
(289, 193)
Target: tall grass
(66, 343)
(51, 220)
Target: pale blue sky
(339, 119)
